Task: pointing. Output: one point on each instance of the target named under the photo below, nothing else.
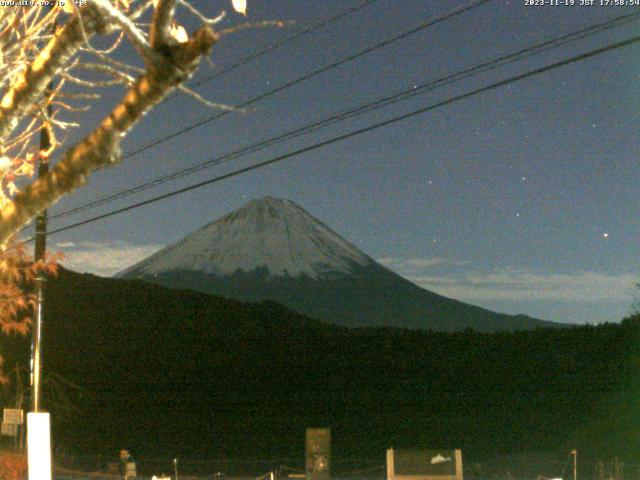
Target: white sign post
(39, 445)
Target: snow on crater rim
(270, 233)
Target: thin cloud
(513, 285)
(104, 259)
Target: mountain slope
(272, 234)
(272, 249)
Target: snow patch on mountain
(271, 233)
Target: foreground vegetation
(178, 372)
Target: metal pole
(39, 424)
(175, 467)
(40, 282)
(36, 362)
(575, 464)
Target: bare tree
(46, 53)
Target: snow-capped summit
(272, 249)
(270, 234)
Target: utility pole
(39, 253)
(38, 422)
(40, 281)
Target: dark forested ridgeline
(179, 372)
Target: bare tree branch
(160, 24)
(101, 148)
(30, 87)
(106, 8)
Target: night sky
(523, 199)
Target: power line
(270, 48)
(360, 131)
(368, 107)
(282, 42)
(422, 26)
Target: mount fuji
(273, 249)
